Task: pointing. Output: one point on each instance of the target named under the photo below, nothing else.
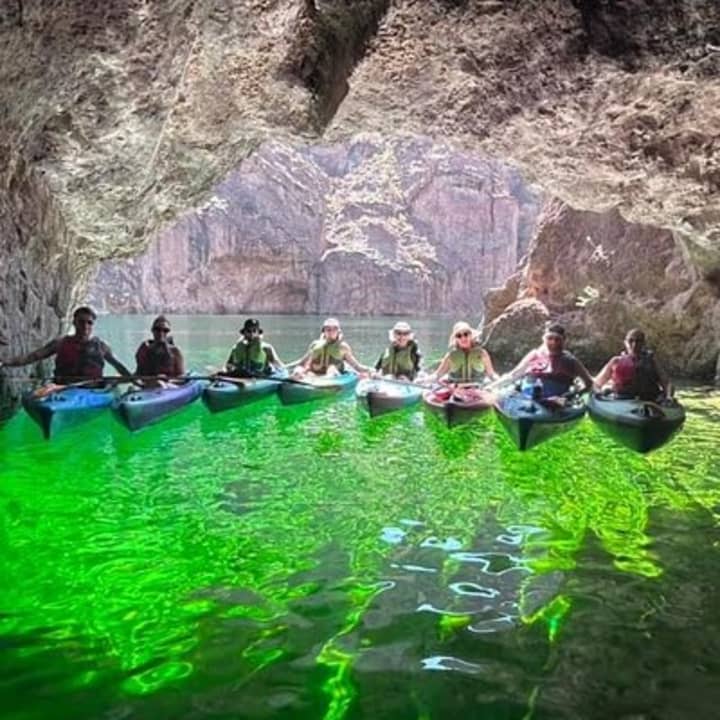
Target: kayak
(460, 405)
(137, 408)
(383, 396)
(313, 387)
(222, 394)
(530, 423)
(638, 424)
(67, 408)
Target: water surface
(308, 562)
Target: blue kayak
(138, 408)
(385, 395)
(529, 422)
(226, 393)
(313, 387)
(66, 408)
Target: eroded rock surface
(622, 275)
(371, 227)
(123, 115)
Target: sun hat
(249, 325)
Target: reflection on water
(308, 562)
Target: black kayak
(529, 422)
(640, 425)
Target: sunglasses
(465, 333)
(401, 332)
(161, 329)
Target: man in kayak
(401, 358)
(328, 354)
(78, 357)
(549, 371)
(251, 356)
(466, 362)
(159, 357)
(635, 372)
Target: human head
(463, 335)
(83, 320)
(401, 333)
(251, 327)
(160, 328)
(554, 338)
(634, 341)
(331, 329)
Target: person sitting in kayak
(466, 363)
(635, 372)
(549, 371)
(328, 354)
(401, 358)
(159, 357)
(251, 356)
(78, 357)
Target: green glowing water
(308, 562)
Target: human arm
(487, 362)
(521, 368)
(582, 372)
(604, 375)
(272, 357)
(352, 361)
(112, 360)
(664, 380)
(45, 351)
(179, 364)
(441, 369)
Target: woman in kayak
(635, 372)
(159, 357)
(251, 356)
(401, 358)
(77, 357)
(550, 370)
(466, 363)
(328, 354)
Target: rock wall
(371, 227)
(600, 276)
(123, 115)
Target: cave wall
(123, 115)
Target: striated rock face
(601, 276)
(117, 117)
(369, 227)
(36, 273)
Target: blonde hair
(460, 326)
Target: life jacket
(636, 376)
(249, 358)
(324, 354)
(76, 358)
(466, 366)
(156, 358)
(557, 372)
(400, 361)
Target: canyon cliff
(117, 118)
(371, 227)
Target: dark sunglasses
(401, 332)
(161, 329)
(463, 334)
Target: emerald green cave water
(309, 562)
